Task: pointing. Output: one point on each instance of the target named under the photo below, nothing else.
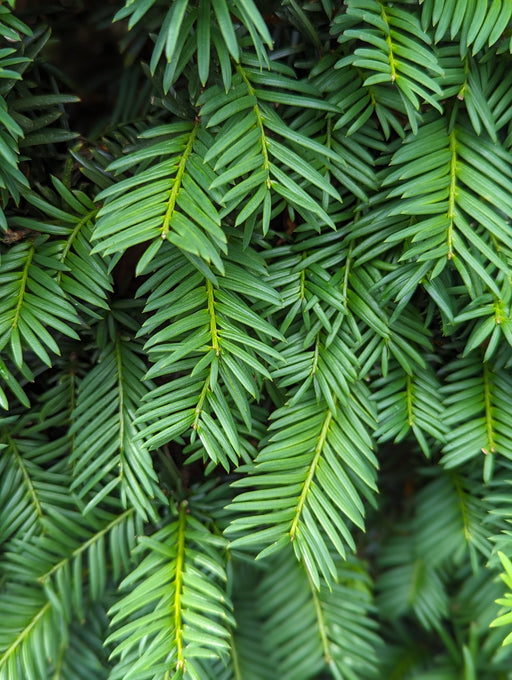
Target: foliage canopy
(255, 339)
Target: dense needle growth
(255, 339)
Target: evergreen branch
(176, 186)
(169, 625)
(86, 545)
(26, 477)
(104, 434)
(311, 474)
(24, 635)
(177, 607)
(477, 412)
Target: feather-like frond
(177, 608)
